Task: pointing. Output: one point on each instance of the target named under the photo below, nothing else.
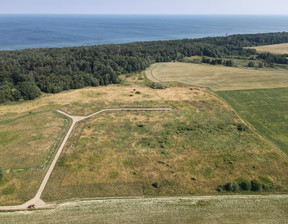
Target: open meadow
(274, 48)
(163, 153)
(191, 150)
(27, 143)
(218, 77)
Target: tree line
(25, 73)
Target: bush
(261, 65)
(1, 173)
(157, 85)
(242, 127)
(232, 186)
(156, 184)
(220, 188)
(244, 184)
(251, 64)
(256, 185)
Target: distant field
(274, 49)
(218, 77)
(265, 109)
(200, 210)
(190, 150)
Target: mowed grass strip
(250, 210)
(265, 109)
(218, 77)
(190, 150)
(274, 48)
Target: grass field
(27, 143)
(201, 210)
(190, 150)
(218, 77)
(274, 48)
(265, 109)
(140, 153)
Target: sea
(41, 31)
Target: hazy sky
(145, 6)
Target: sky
(275, 7)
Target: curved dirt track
(36, 201)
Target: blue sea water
(37, 31)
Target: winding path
(37, 201)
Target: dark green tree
(29, 90)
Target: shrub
(220, 188)
(267, 184)
(232, 186)
(251, 64)
(242, 127)
(156, 185)
(157, 85)
(256, 185)
(1, 173)
(244, 184)
(261, 65)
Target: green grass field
(201, 210)
(218, 77)
(265, 109)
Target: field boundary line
(264, 138)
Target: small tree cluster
(212, 61)
(242, 184)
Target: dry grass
(123, 154)
(26, 141)
(218, 77)
(87, 100)
(274, 48)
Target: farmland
(274, 48)
(218, 77)
(265, 109)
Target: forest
(24, 74)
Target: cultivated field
(221, 209)
(265, 109)
(163, 153)
(274, 48)
(218, 77)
